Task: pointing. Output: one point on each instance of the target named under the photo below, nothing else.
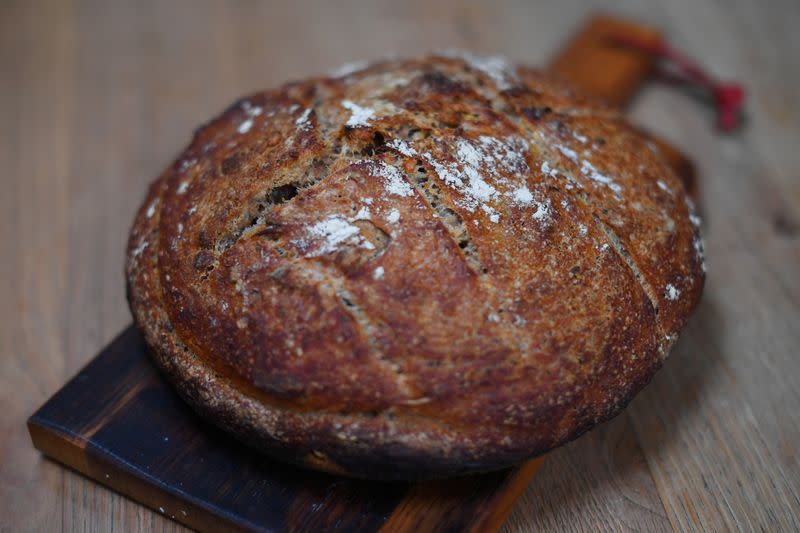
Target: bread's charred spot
(435, 92)
(437, 82)
(204, 261)
(283, 193)
(231, 164)
(536, 113)
(204, 240)
(518, 91)
(378, 139)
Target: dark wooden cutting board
(120, 423)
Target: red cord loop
(728, 97)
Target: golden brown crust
(422, 268)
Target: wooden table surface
(97, 97)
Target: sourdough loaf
(416, 268)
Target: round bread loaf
(414, 269)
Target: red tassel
(728, 97)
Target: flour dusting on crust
(498, 68)
(393, 178)
(331, 233)
(303, 122)
(359, 116)
(587, 168)
(671, 292)
(478, 164)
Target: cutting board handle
(595, 64)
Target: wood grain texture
(97, 97)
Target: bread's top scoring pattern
(450, 244)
